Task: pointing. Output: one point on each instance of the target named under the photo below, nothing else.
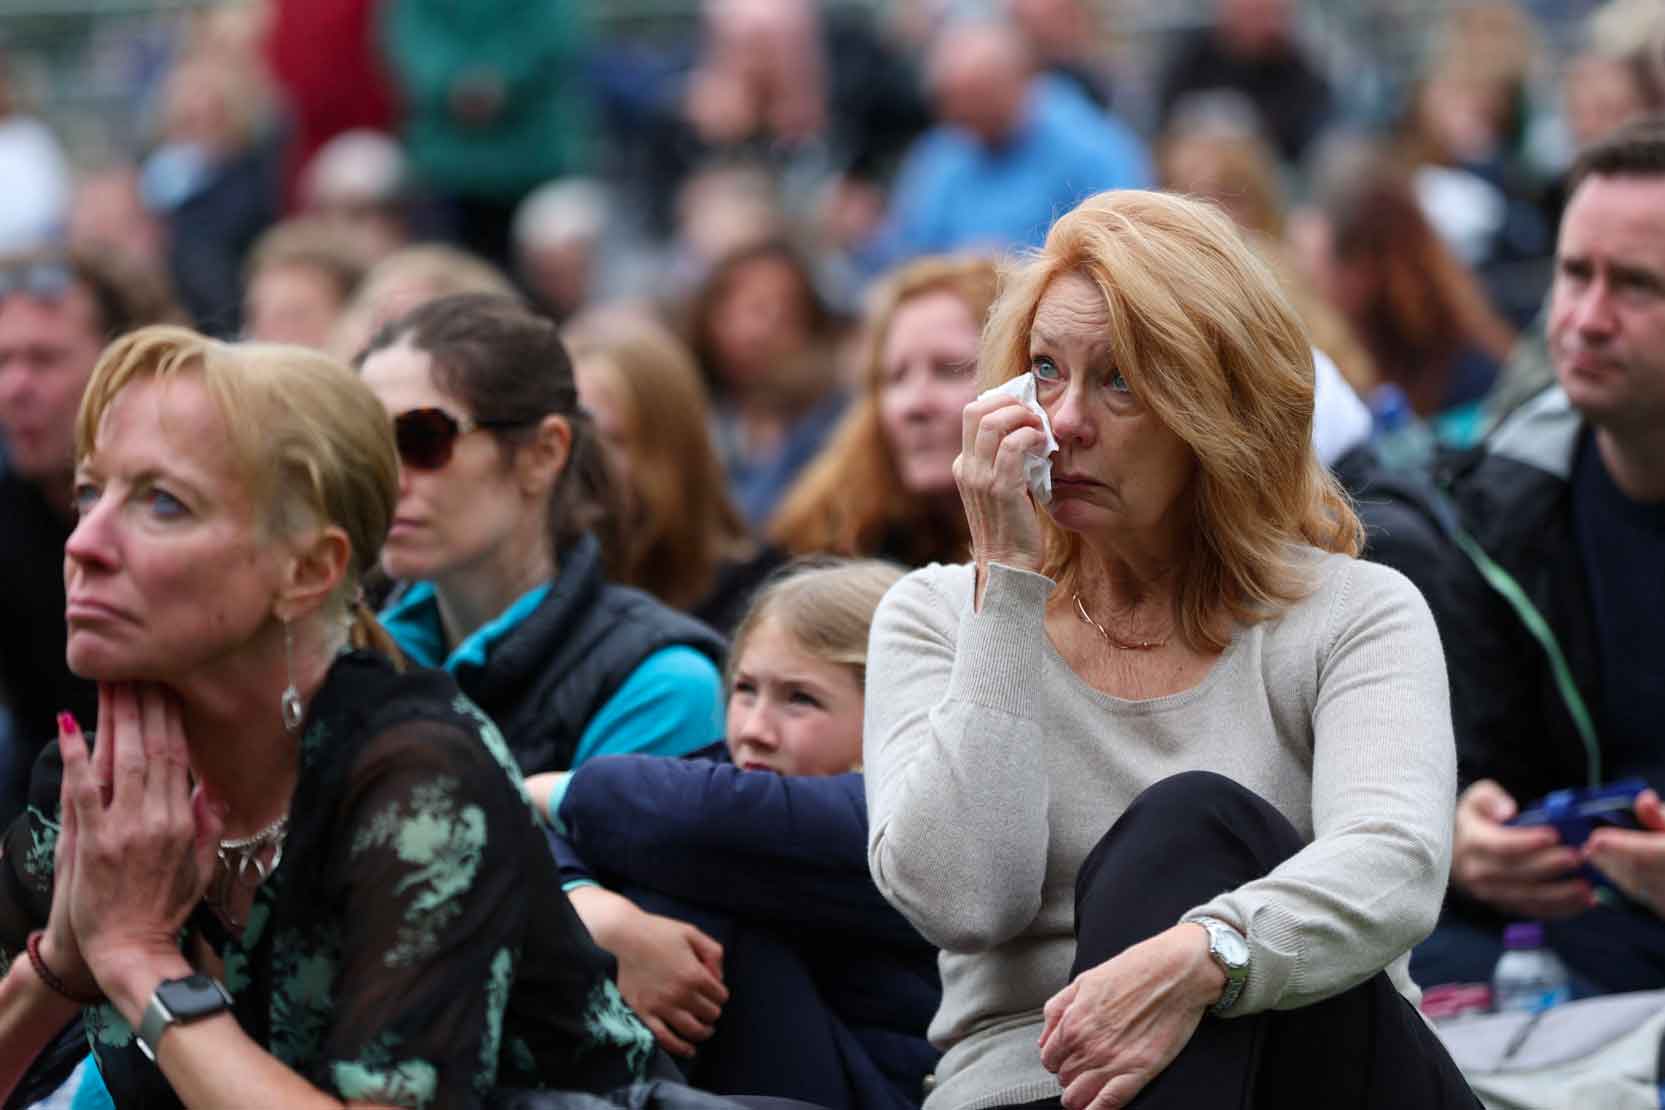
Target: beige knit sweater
(992, 770)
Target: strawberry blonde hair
(1208, 341)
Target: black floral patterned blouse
(413, 947)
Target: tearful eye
(1044, 369)
(1116, 383)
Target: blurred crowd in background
(720, 184)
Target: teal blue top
(671, 704)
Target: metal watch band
(1237, 974)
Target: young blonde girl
(737, 897)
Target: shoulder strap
(1505, 586)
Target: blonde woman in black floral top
(346, 850)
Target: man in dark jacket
(57, 310)
(1568, 499)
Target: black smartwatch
(179, 1002)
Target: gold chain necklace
(1116, 641)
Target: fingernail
(66, 723)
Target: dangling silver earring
(290, 701)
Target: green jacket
(525, 59)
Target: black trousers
(1185, 840)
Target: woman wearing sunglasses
(502, 488)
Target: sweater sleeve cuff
(1274, 951)
(1001, 647)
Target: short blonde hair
(825, 604)
(311, 441)
(850, 500)
(1206, 339)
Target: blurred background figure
(1619, 74)
(109, 214)
(884, 485)
(214, 177)
(681, 536)
(301, 276)
(1465, 134)
(1232, 164)
(1011, 149)
(406, 280)
(1419, 311)
(360, 182)
(558, 232)
(766, 343)
(804, 92)
(495, 103)
(57, 310)
(1063, 38)
(1251, 54)
(325, 58)
(36, 173)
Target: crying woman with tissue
(1166, 771)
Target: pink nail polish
(66, 723)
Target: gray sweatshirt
(992, 769)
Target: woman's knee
(1190, 819)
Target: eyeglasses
(46, 281)
(425, 438)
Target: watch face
(1232, 947)
(192, 996)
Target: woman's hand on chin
(995, 435)
(1119, 1024)
(144, 843)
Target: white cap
(572, 209)
(355, 167)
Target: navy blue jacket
(784, 851)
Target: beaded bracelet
(50, 977)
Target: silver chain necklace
(1116, 641)
(241, 865)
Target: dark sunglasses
(44, 281)
(426, 438)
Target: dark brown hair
(507, 365)
(1427, 306)
(819, 322)
(1635, 150)
(126, 293)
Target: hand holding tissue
(1037, 469)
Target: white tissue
(1037, 469)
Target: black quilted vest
(555, 670)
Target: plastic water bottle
(1401, 439)
(1529, 977)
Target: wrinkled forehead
(1071, 310)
